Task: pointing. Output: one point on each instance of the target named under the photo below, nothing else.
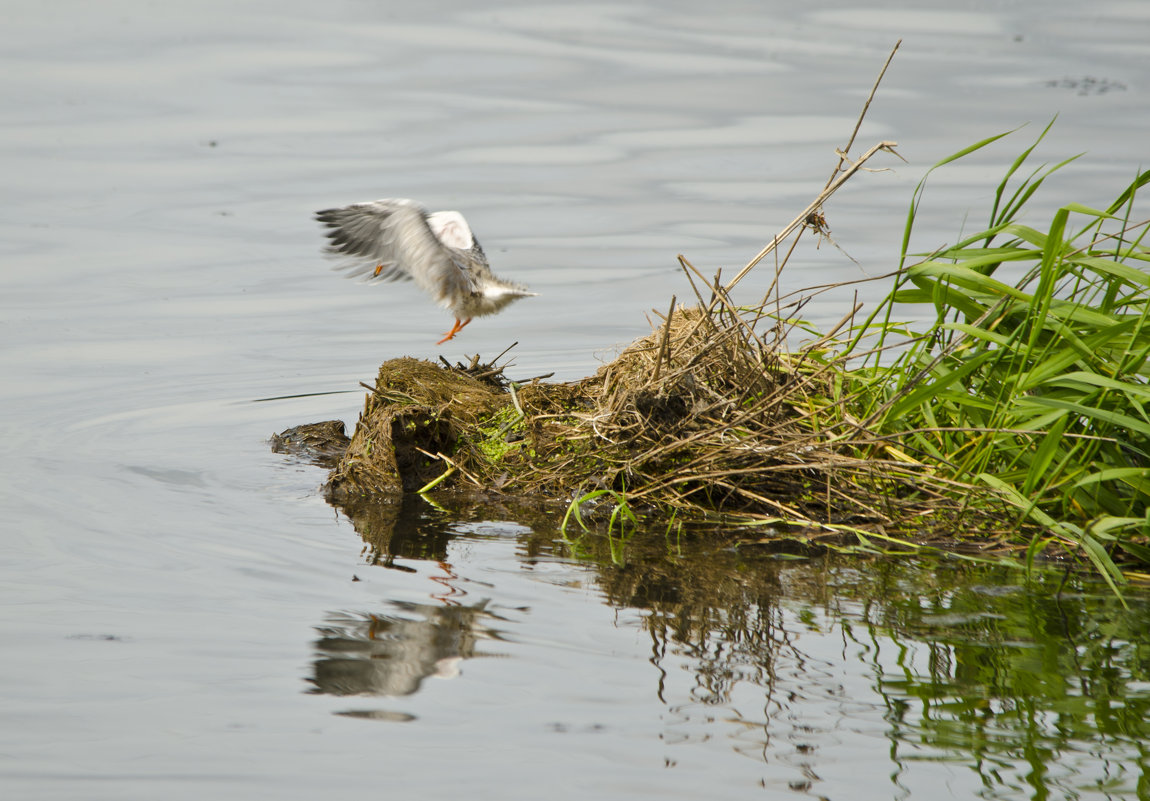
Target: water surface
(179, 607)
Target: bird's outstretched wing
(385, 240)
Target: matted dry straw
(706, 415)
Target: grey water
(182, 615)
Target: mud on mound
(412, 421)
(322, 443)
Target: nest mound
(704, 415)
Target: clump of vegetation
(1034, 389)
(1014, 418)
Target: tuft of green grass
(1034, 387)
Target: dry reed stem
(862, 114)
(837, 179)
(822, 197)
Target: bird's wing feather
(395, 234)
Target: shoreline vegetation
(1014, 422)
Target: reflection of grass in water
(974, 665)
(1021, 680)
(968, 664)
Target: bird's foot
(455, 329)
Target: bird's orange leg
(455, 329)
(378, 270)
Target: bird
(399, 239)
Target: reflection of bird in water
(386, 240)
(392, 653)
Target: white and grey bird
(396, 239)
